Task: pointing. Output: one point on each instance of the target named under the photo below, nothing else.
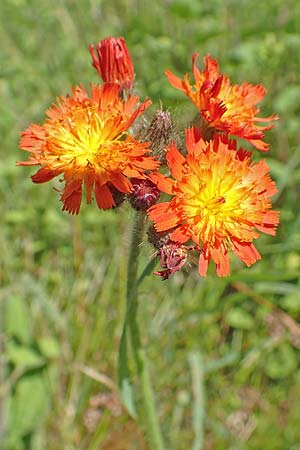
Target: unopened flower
(160, 132)
(173, 256)
(113, 61)
(157, 239)
(144, 194)
(223, 106)
(220, 200)
(86, 139)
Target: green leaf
(49, 347)
(225, 361)
(28, 405)
(16, 319)
(147, 271)
(281, 362)
(238, 318)
(20, 355)
(124, 378)
(291, 302)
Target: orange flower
(226, 107)
(114, 63)
(220, 200)
(86, 139)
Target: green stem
(153, 430)
(197, 372)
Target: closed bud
(157, 238)
(113, 62)
(173, 256)
(143, 195)
(160, 132)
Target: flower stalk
(131, 323)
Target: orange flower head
(223, 106)
(86, 139)
(113, 61)
(220, 200)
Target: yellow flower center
(84, 140)
(214, 203)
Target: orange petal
(103, 196)
(221, 259)
(179, 235)
(259, 144)
(176, 82)
(88, 184)
(166, 221)
(270, 220)
(72, 196)
(143, 106)
(223, 267)
(44, 174)
(203, 263)
(121, 183)
(246, 252)
(253, 94)
(211, 70)
(163, 183)
(164, 218)
(30, 162)
(176, 161)
(194, 141)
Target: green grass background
(62, 277)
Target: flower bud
(113, 61)
(143, 195)
(160, 132)
(157, 238)
(173, 256)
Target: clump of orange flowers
(219, 199)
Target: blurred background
(63, 277)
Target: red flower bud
(144, 194)
(113, 61)
(172, 256)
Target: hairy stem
(153, 430)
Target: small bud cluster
(212, 185)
